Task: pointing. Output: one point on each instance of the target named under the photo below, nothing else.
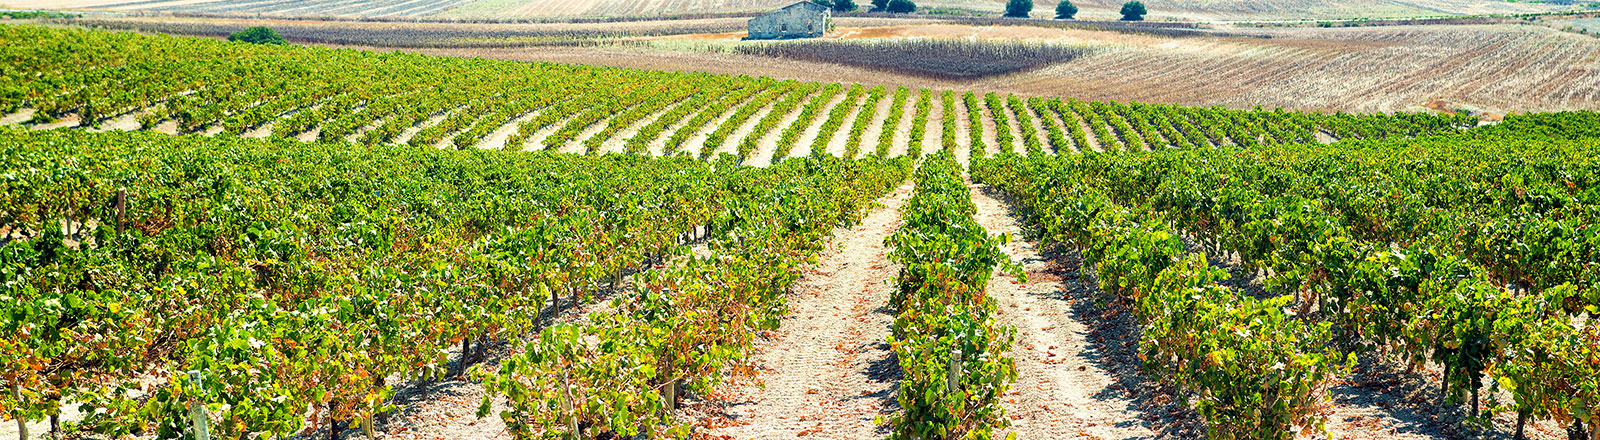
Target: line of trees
(1065, 10)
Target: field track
(1067, 385)
(826, 371)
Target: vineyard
(270, 241)
(185, 85)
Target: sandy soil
(730, 145)
(496, 140)
(836, 143)
(1039, 131)
(1077, 373)
(1062, 390)
(827, 372)
(1050, 117)
(963, 132)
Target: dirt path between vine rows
(827, 371)
(1077, 372)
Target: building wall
(789, 23)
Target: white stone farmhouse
(799, 20)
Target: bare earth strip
(869, 137)
(802, 144)
(841, 137)
(963, 133)
(901, 140)
(1039, 132)
(1062, 389)
(827, 370)
(730, 144)
(496, 140)
(618, 142)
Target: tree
(1019, 8)
(902, 6)
(1133, 11)
(844, 5)
(880, 5)
(258, 35)
(1066, 10)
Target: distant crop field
(606, 8)
(1202, 10)
(351, 8)
(1364, 69)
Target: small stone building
(799, 20)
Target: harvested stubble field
(950, 59)
(1495, 68)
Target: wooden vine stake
(197, 411)
(22, 425)
(953, 381)
(669, 394)
(567, 407)
(122, 208)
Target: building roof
(807, 5)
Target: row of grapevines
(690, 322)
(975, 145)
(1058, 140)
(791, 134)
(704, 105)
(919, 124)
(945, 335)
(659, 100)
(1400, 262)
(1030, 133)
(891, 122)
(830, 126)
(700, 120)
(869, 109)
(1097, 125)
(789, 91)
(1069, 119)
(947, 122)
(1002, 123)
(297, 275)
(1255, 370)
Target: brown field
(1351, 69)
(1492, 68)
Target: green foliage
(1018, 8)
(945, 333)
(844, 5)
(1133, 11)
(690, 320)
(1452, 258)
(880, 5)
(28, 15)
(1066, 10)
(257, 35)
(1256, 370)
(901, 7)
